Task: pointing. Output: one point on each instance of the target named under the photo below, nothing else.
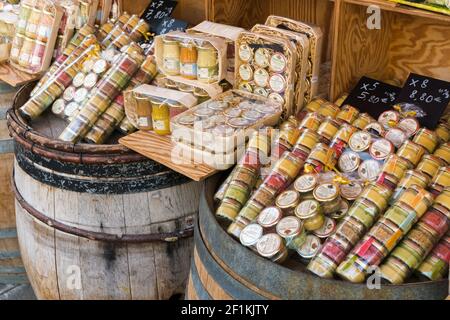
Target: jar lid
(342, 212)
(78, 80)
(261, 77)
(326, 192)
(245, 52)
(90, 80)
(349, 161)
(70, 109)
(276, 97)
(203, 111)
(252, 115)
(187, 119)
(310, 247)
(232, 112)
(307, 209)
(351, 191)
(266, 108)
(245, 86)
(389, 118)
(269, 245)
(100, 66)
(305, 183)
(218, 105)
(262, 57)
(278, 62)
(289, 226)
(396, 136)
(409, 125)
(277, 83)
(238, 122)
(223, 130)
(369, 169)
(327, 229)
(69, 94)
(269, 217)
(375, 128)
(381, 149)
(359, 141)
(58, 107)
(261, 91)
(287, 199)
(250, 235)
(245, 72)
(80, 95)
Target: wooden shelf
(161, 149)
(404, 9)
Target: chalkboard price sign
(158, 10)
(372, 96)
(428, 97)
(170, 24)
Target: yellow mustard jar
(171, 56)
(440, 181)
(415, 198)
(311, 121)
(376, 194)
(310, 212)
(443, 132)
(347, 114)
(443, 152)
(412, 152)
(427, 139)
(328, 109)
(328, 129)
(429, 165)
(315, 104)
(308, 139)
(160, 117)
(362, 121)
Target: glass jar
(435, 266)
(389, 119)
(328, 129)
(188, 60)
(380, 149)
(250, 236)
(411, 177)
(427, 139)
(292, 231)
(443, 132)
(16, 46)
(341, 138)
(315, 104)
(327, 229)
(415, 198)
(311, 121)
(328, 109)
(429, 165)
(443, 152)
(160, 117)
(377, 194)
(33, 22)
(171, 56)
(237, 191)
(307, 139)
(443, 199)
(26, 8)
(26, 52)
(339, 101)
(362, 121)
(409, 125)
(309, 248)
(347, 114)
(287, 201)
(360, 141)
(310, 212)
(288, 165)
(349, 161)
(364, 211)
(45, 25)
(440, 181)
(411, 152)
(328, 197)
(321, 157)
(269, 218)
(207, 64)
(392, 171)
(271, 246)
(305, 185)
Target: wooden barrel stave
(271, 281)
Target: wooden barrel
(12, 271)
(221, 268)
(98, 221)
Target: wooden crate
(409, 40)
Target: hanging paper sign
(425, 98)
(373, 96)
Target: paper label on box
(143, 122)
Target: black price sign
(170, 24)
(426, 97)
(373, 96)
(158, 10)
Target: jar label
(351, 191)
(369, 169)
(381, 149)
(359, 141)
(276, 97)
(307, 208)
(269, 216)
(305, 183)
(171, 65)
(326, 191)
(288, 226)
(409, 125)
(269, 244)
(310, 247)
(262, 57)
(78, 80)
(261, 91)
(245, 72)
(31, 27)
(160, 125)
(251, 234)
(396, 136)
(349, 161)
(245, 86)
(245, 52)
(44, 32)
(188, 69)
(22, 24)
(327, 228)
(278, 62)
(142, 122)
(277, 83)
(69, 93)
(388, 118)
(261, 77)
(287, 198)
(36, 60)
(207, 73)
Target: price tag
(373, 96)
(427, 97)
(170, 24)
(158, 10)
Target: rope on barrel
(99, 236)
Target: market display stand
(163, 150)
(408, 41)
(15, 77)
(12, 272)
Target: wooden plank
(6, 142)
(7, 218)
(15, 77)
(161, 149)
(191, 294)
(16, 292)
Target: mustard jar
(292, 231)
(415, 198)
(250, 235)
(328, 197)
(411, 177)
(411, 152)
(427, 139)
(362, 121)
(305, 184)
(347, 114)
(440, 181)
(328, 129)
(271, 246)
(310, 212)
(443, 152)
(309, 248)
(287, 201)
(269, 218)
(311, 121)
(429, 165)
